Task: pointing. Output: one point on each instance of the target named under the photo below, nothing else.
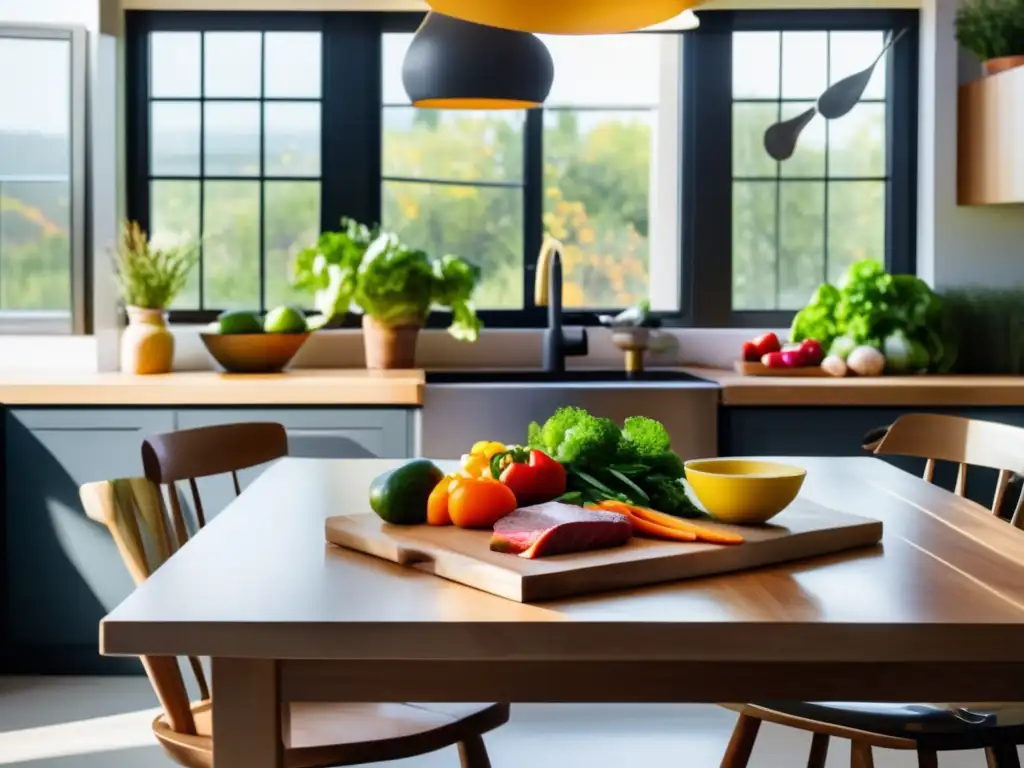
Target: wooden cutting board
(757, 369)
(805, 529)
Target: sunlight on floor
(100, 734)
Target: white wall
(957, 245)
(85, 12)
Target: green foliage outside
(596, 201)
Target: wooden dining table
(935, 613)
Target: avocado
(400, 496)
(239, 321)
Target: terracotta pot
(389, 346)
(1003, 63)
(147, 346)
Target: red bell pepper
(532, 475)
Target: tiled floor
(104, 723)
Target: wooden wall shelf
(990, 140)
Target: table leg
(247, 714)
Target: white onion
(866, 361)
(834, 365)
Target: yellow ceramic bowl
(744, 491)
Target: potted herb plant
(993, 30)
(149, 278)
(394, 285)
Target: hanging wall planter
(455, 64)
(572, 17)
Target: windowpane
(804, 64)
(856, 224)
(851, 52)
(35, 248)
(856, 142)
(292, 61)
(174, 138)
(174, 64)
(808, 159)
(801, 242)
(233, 65)
(231, 244)
(749, 122)
(755, 65)
(291, 222)
(452, 145)
(597, 203)
(604, 70)
(232, 138)
(35, 107)
(753, 244)
(174, 219)
(393, 48)
(292, 140)
(483, 225)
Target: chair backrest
(133, 511)
(193, 453)
(958, 440)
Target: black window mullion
(707, 174)
(202, 166)
(901, 148)
(137, 87)
(351, 119)
(261, 236)
(533, 202)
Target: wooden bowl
(253, 352)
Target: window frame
(351, 139)
(78, 320)
(706, 210)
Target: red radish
(794, 358)
(812, 352)
(773, 360)
(749, 352)
(767, 343)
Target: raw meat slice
(557, 529)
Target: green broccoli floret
(666, 463)
(553, 432)
(648, 436)
(592, 441)
(669, 495)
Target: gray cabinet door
(312, 433)
(63, 571)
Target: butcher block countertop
(301, 387)
(880, 391)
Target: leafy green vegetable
(867, 307)
(647, 435)
(361, 267)
(633, 464)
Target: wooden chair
(190, 454)
(926, 728)
(321, 734)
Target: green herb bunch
(149, 277)
(991, 28)
(387, 279)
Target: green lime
(400, 496)
(239, 321)
(284, 320)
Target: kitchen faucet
(558, 344)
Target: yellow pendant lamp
(569, 17)
(456, 64)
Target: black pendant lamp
(455, 64)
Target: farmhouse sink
(462, 407)
(538, 376)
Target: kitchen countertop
(353, 386)
(197, 388)
(881, 391)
